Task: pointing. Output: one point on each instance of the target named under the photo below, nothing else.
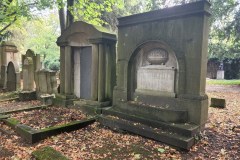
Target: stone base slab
(27, 95)
(32, 136)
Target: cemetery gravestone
(31, 63)
(9, 62)
(161, 74)
(28, 74)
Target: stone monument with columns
(9, 71)
(87, 65)
(161, 74)
(31, 63)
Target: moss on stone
(48, 153)
(13, 121)
(60, 126)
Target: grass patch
(223, 82)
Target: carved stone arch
(138, 58)
(12, 79)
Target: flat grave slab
(39, 124)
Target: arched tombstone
(28, 92)
(28, 74)
(8, 53)
(13, 82)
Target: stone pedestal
(27, 95)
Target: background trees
(23, 21)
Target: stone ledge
(27, 95)
(185, 129)
(195, 8)
(146, 131)
(32, 136)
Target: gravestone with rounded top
(9, 62)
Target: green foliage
(92, 11)
(225, 30)
(39, 35)
(12, 10)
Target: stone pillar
(108, 72)
(42, 77)
(3, 82)
(94, 80)
(53, 80)
(62, 70)
(38, 62)
(68, 70)
(101, 73)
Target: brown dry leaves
(221, 140)
(48, 117)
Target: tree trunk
(70, 18)
(62, 18)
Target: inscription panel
(156, 79)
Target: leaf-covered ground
(16, 105)
(221, 139)
(48, 117)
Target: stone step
(164, 136)
(157, 113)
(186, 129)
(90, 107)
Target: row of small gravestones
(44, 80)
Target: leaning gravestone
(161, 74)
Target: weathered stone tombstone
(218, 103)
(220, 72)
(35, 59)
(87, 64)
(161, 74)
(31, 63)
(46, 82)
(9, 67)
(28, 74)
(13, 77)
(46, 85)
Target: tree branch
(8, 25)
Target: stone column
(94, 80)
(3, 82)
(108, 72)
(101, 73)
(38, 62)
(62, 70)
(68, 70)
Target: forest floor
(220, 139)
